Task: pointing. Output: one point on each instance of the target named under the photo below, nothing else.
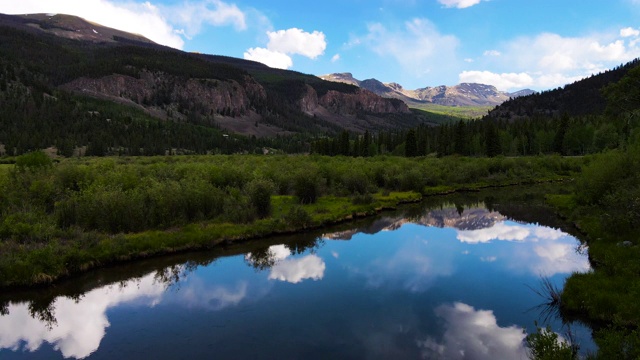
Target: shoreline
(131, 247)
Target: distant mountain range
(465, 94)
(60, 61)
(468, 219)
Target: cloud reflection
(287, 269)
(296, 270)
(200, 295)
(540, 249)
(473, 334)
(499, 231)
(80, 325)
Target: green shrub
(33, 161)
(306, 187)
(298, 217)
(356, 182)
(545, 344)
(260, 192)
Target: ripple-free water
(441, 281)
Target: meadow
(80, 213)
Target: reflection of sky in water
(80, 325)
(473, 334)
(418, 291)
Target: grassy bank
(605, 206)
(64, 218)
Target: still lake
(451, 278)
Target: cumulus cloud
(499, 231)
(629, 31)
(193, 15)
(80, 325)
(460, 4)
(297, 41)
(549, 60)
(335, 58)
(539, 249)
(296, 270)
(156, 22)
(418, 46)
(197, 294)
(501, 81)
(474, 333)
(274, 59)
(283, 43)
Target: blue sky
(512, 44)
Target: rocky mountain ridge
(234, 94)
(464, 94)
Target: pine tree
(411, 146)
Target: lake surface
(451, 278)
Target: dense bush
(115, 195)
(260, 192)
(306, 186)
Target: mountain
(467, 219)
(70, 27)
(583, 97)
(465, 94)
(59, 61)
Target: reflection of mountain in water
(469, 219)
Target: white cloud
(469, 60)
(292, 270)
(335, 58)
(193, 15)
(550, 60)
(629, 31)
(270, 58)
(492, 53)
(283, 43)
(460, 4)
(418, 47)
(297, 41)
(296, 270)
(80, 326)
(200, 295)
(500, 81)
(156, 22)
(140, 18)
(474, 333)
(499, 231)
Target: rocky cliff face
(350, 104)
(207, 96)
(362, 100)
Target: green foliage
(92, 211)
(306, 186)
(33, 161)
(411, 145)
(545, 344)
(260, 192)
(298, 217)
(617, 343)
(607, 173)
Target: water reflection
(405, 285)
(283, 268)
(79, 324)
(475, 334)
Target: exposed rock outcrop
(362, 100)
(207, 96)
